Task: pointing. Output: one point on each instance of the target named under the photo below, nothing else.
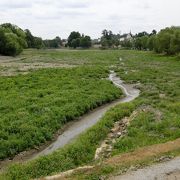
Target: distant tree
(58, 41)
(138, 43)
(116, 42)
(75, 43)
(154, 32)
(104, 42)
(141, 34)
(151, 42)
(126, 43)
(76, 40)
(168, 41)
(38, 43)
(107, 39)
(144, 42)
(29, 38)
(85, 42)
(12, 39)
(72, 42)
(53, 43)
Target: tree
(126, 43)
(72, 38)
(29, 38)
(138, 43)
(85, 42)
(141, 34)
(75, 43)
(151, 42)
(75, 40)
(116, 42)
(107, 38)
(38, 42)
(12, 39)
(53, 43)
(168, 41)
(154, 32)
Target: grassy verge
(33, 107)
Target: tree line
(13, 40)
(167, 41)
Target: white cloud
(48, 18)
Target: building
(126, 37)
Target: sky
(51, 18)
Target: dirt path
(145, 152)
(169, 170)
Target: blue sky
(49, 18)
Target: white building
(125, 37)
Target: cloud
(49, 18)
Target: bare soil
(11, 66)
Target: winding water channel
(91, 118)
(85, 122)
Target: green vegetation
(79, 152)
(12, 39)
(32, 41)
(166, 41)
(53, 43)
(109, 40)
(159, 76)
(33, 107)
(76, 40)
(159, 84)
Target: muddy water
(91, 118)
(77, 127)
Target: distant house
(126, 37)
(64, 42)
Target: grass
(33, 107)
(78, 153)
(158, 78)
(71, 57)
(160, 86)
(104, 171)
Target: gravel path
(169, 170)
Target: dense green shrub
(168, 41)
(12, 40)
(76, 40)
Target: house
(126, 37)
